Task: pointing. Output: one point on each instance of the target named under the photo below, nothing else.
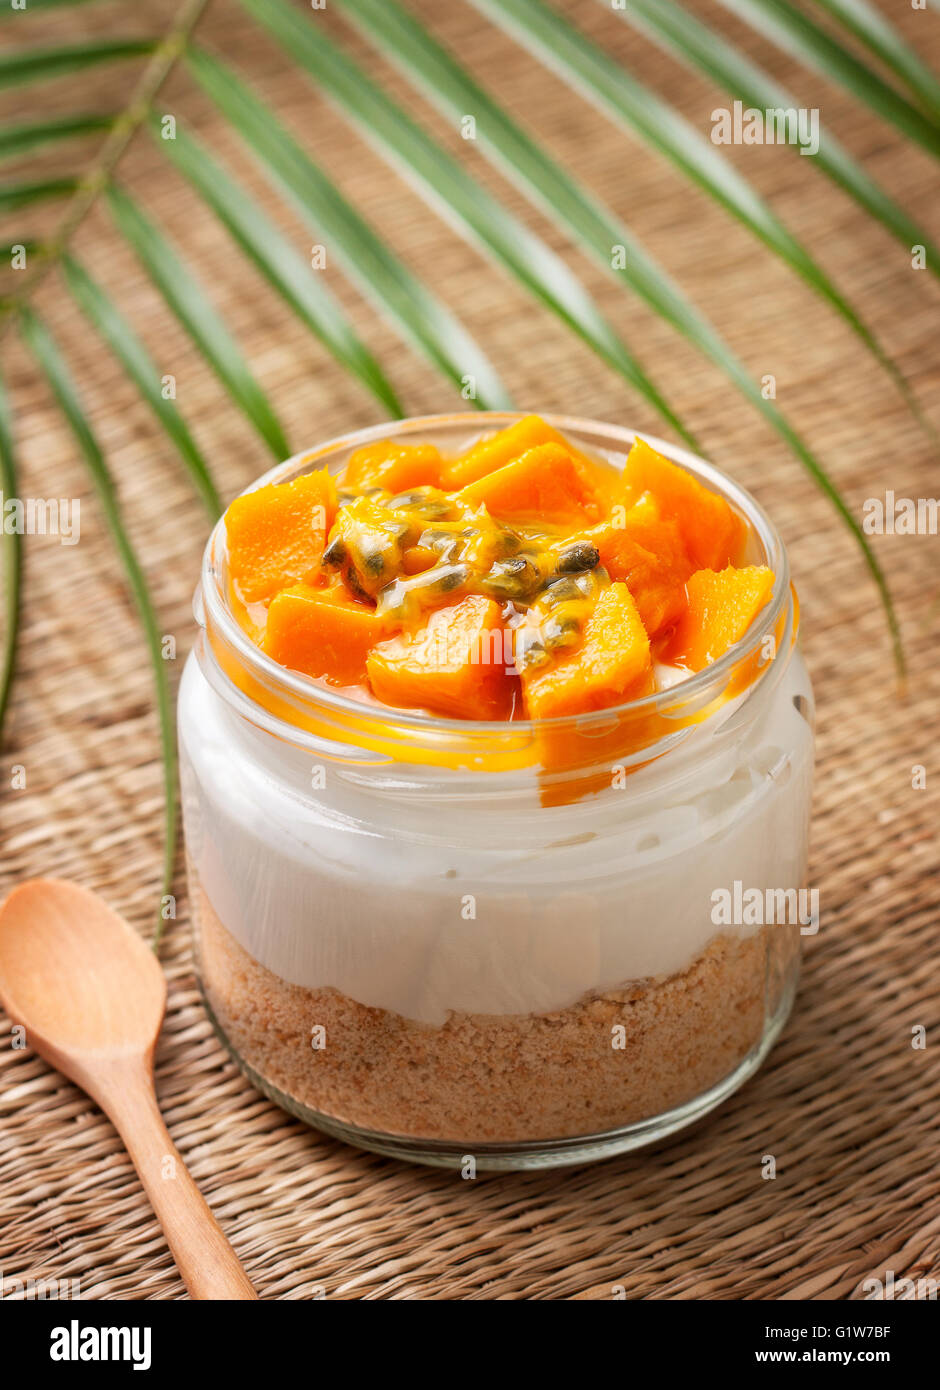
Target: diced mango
(456, 665)
(711, 532)
(645, 551)
(394, 466)
(542, 485)
(612, 661)
(722, 606)
(276, 534)
(401, 583)
(511, 443)
(501, 448)
(612, 666)
(322, 633)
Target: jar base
(538, 1154)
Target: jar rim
(224, 633)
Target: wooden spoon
(91, 996)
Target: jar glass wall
(413, 937)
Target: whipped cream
(424, 901)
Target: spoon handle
(209, 1266)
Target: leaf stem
(53, 366)
(165, 55)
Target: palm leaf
(192, 307)
(447, 187)
(582, 64)
(30, 135)
(681, 34)
(417, 314)
(57, 374)
(183, 296)
(867, 24)
(409, 46)
(800, 36)
(405, 43)
(281, 265)
(14, 196)
(12, 548)
(39, 64)
(136, 361)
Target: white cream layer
(485, 905)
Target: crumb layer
(611, 1059)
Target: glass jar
(413, 937)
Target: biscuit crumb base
(486, 1078)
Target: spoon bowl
(83, 978)
(91, 997)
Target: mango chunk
(721, 608)
(511, 443)
(322, 633)
(612, 662)
(542, 485)
(711, 532)
(276, 534)
(393, 466)
(646, 552)
(500, 449)
(456, 665)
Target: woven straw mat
(846, 1105)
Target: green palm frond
(801, 37)
(162, 53)
(281, 265)
(635, 106)
(57, 374)
(447, 187)
(194, 309)
(39, 64)
(417, 315)
(14, 196)
(142, 370)
(679, 33)
(30, 135)
(402, 296)
(868, 25)
(403, 40)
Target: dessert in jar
(492, 726)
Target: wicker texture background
(846, 1105)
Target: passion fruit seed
(560, 591)
(335, 553)
(576, 558)
(427, 500)
(401, 595)
(587, 584)
(443, 543)
(557, 633)
(457, 575)
(508, 542)
(530, 654)
(517, 578)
